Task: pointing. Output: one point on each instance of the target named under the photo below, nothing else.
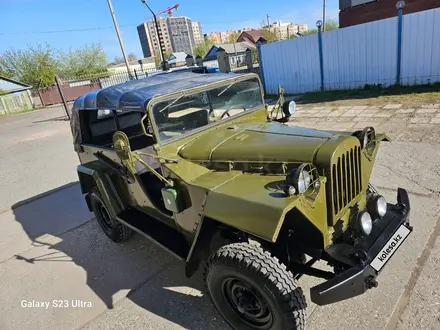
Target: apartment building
(223, 37)
(284, 30)
(164, 37)
(144, 38)
(298, 28)
(175, 35)
(197, 32)
(181, 31)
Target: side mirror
(289, 108)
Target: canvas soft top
(134, 95)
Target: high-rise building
(144, 38)
(197, 32)
(164, 37)
(182, 36)
(176, 34)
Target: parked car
(199, 164)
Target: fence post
(260, 63)
(248, 58)
(199, 61)
(321, 57)
(57, 80)
(189, 60)
(400, 5)
(223, 61)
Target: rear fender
(89, 177)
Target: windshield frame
(210, 86)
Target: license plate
(389, 248)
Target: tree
(157, 61)
(35, 66)
(329, 26)
(233, 37)
(3, 73)
(203, 48)
(268, 33)
(132, 57)
(82, 62)
(120, 59)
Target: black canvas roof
(134, 95)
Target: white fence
(357, 55)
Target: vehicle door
(135, 185)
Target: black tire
(115, 230)
(253, 290)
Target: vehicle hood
(256, 143)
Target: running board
(156, 231)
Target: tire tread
(256, 260)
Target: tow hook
(371, 282)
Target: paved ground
(50, 250)
(401, 123)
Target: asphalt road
(51, 250)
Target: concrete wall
(382, 9)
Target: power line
(56, 31)
(103, 28)
(100, 28)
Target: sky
(31, 22)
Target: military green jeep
(199, 164)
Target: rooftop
(177, 57)
(10, 85)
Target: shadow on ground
(156, 281)
(60, 118)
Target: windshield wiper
(169, 105)
(226, 88)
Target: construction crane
(168, 10)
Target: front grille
(346, 178)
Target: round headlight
(304, 181)
(365, 224)
(301, 178)
(377, 206)
(381, 206)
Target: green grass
(376, 94)
(373, 95)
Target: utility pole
(268, 23)
(164, 68)
(119, 37)
(323, 17)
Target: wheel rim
(248, 303)
(102, 214)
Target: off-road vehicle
(202, 166)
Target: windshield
(191, 111)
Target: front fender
(257, 205)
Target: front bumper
(367, 258)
